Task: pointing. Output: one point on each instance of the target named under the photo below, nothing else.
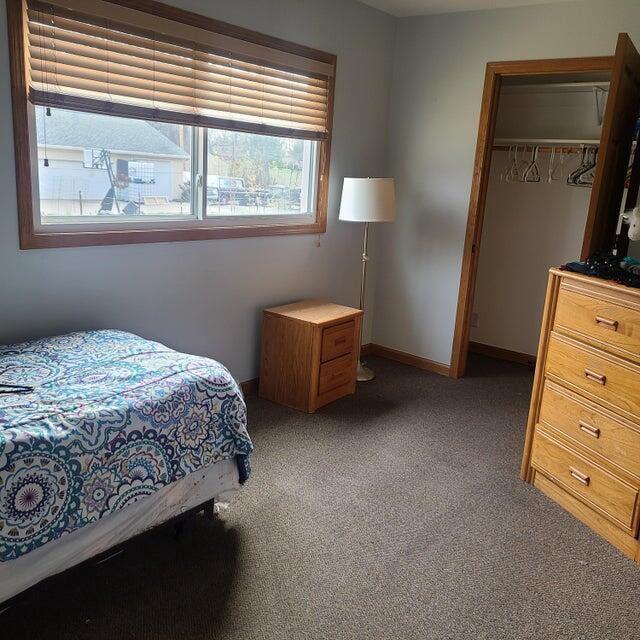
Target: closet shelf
(556, 87)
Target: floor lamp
(367, 200)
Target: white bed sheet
(219, 481)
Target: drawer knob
(596, 377)
(607, 322)
(590, 430)
(579, 476)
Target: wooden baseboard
(502, 354)
(249, 387)
(408, 358)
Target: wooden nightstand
(310, 352)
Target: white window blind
(95, 55)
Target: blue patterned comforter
(105, 419)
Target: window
(254, 175)
(102, 169)
(94, 168)
(133, 135)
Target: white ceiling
(404, 8)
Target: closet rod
(561, 146)
(542, 149)
(544, 142)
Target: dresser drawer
(612, 381)
(337, 341)
(608, 325)
(335, 373)
(592, 518)
(610, 495)
(592, 427)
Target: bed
(103, 435)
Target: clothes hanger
(560, 168)
(532, 173)
(556, 166)
(550, 168)
(513, 174)
(504, 175)
(523, 165)
(583, 166)
(586, 169)
(586, 178)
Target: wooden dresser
(310, 352)
(582, 447)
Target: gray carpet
(394, 514)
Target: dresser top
(630, 292)
(315, 311)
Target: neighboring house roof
(96, 131)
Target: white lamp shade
(368, 200)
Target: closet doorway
(546, 119)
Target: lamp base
(364, 373)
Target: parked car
(232, 190)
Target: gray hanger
(583, 176)
(585, 179)
(532, 173)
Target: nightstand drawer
(335, 374)
(612, 381)
(591, 483)
(337, 341)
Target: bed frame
(207, 508)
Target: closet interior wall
(531, 226)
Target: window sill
(43, 239)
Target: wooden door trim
(494, 74)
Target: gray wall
(437, 87)
(205, 297)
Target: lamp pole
(364, 373)
(365, 259)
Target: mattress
(94, 422)
(218, 481)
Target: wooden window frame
(26, 156)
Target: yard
(52, 209)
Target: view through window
(254, 174)
(100, 168)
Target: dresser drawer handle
(594, 432)
(596, 377)
(607, 322)
(338, 341)
(580, 477)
